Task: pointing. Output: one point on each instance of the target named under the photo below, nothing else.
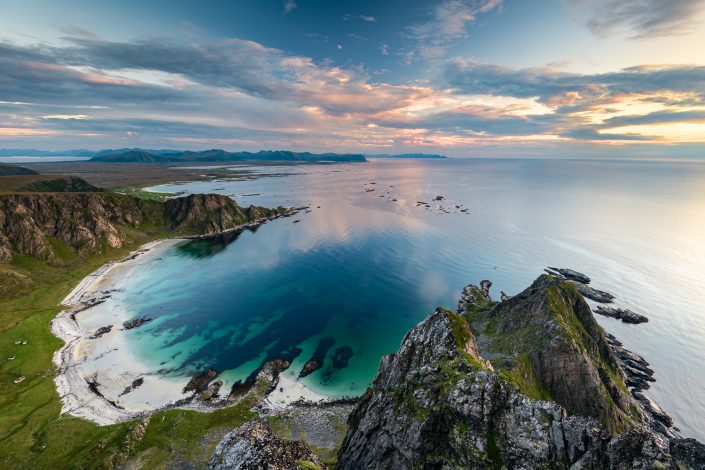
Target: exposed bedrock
(531, 382)
(254, 446)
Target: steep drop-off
(438, 403)
(43, 224)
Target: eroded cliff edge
(43, 225)
(526, 383)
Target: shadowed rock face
(436, 403)
(254, 446)
(88, 221)
(547, 342)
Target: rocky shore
(98, 377)
(529, 382)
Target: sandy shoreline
(93, 373)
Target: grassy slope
(32, 432)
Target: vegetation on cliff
(50, 241)
(546, 341)
(436, 403)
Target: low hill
(14, 170)
(217, 155)
(64, 184)
(35, 183)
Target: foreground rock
(254, 446)
(551, 396)
(626, 315)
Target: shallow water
(362, 269)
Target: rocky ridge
(43, 224)
(438, 403)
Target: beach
(99, 378)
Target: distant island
(216, 155)
(406, 155)
(138, 155)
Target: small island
(417, 156)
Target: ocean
(367, 261)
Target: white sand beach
(93, 373)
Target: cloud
(448, 23)
(551, 86)
(645, 18)
(240, 93)
(369, 19)
(289, 6)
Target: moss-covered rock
(546, 341)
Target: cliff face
(40, 224)
(546, 341)
(436, 403)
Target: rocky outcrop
(626, 315)
(569, 274)
(135, 323)
(546, 340)
(436, 403)
(47, 225)
(254, 446)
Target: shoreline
(100, 379)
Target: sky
(583, 78)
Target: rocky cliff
(43, 225)
(546, 341)
(438, 403)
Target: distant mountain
(104, 152)
(45, 153)
(406, 155)
(217, 155)
(13, 170)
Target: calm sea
(368, 262)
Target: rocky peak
(436, 403)
(546, 341)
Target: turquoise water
(363, 268)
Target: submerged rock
(341, 356)
(254, 446)
(626, 315)
(135, 322)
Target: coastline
(91, 302)
(95, 370)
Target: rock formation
(254, 446)
(552, 394)
(41, 225)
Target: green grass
(139, 192)
(33, 434)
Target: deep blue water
(362, 269)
